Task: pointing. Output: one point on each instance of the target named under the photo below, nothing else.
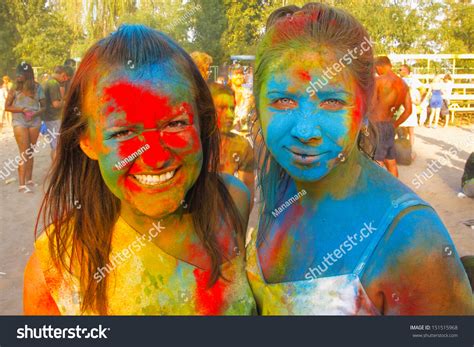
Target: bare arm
(57, 103)
(42, 109)
(9, 103)
(415, 269)
(427, 94)
(407, 110)
(249, 180)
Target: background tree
(8, 38)
(45, 32)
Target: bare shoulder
(239, 193)
(415, 269)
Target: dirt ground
(18, 211)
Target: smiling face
(225, 107)
(305, 132)
(145, 135)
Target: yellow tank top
(151, 282)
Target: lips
(155, 179)
(304, 157)
(152, 180)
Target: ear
(85, 143)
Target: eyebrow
(320, 92)
(280, 93)
(330, 92)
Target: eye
(332, 104)
(284, 103)
(177, 125)
(121, 134)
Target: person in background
(26, 102)
(65, 86)
(236, 153)
(244, 100)
(44, 77)
(70, 66)
(389, 94)
(54, 104)
(249, 77)
(435, 93)
(3, 97)
(70, 62)
(467, 182)
(415, 94)
(203, 61)
(447, 90)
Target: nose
(158, 155)
(306, 131)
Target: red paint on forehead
(140, 104)
(304, 75)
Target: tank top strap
(405, 201)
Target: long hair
(288, 28)
(26, 70)
(76, 179)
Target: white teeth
(155, 179)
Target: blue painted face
(306, 128)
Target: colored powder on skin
(209, 301)
(407, 290)
(304, 75)
(356, 113)
(138, 102)
(279, 254)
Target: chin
(156, 211)
(312, 174)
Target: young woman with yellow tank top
(136, 223)
(338, 235)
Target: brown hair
(29, 86)
(217, 89)
(75, 177)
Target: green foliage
(8, 38)
(45, 32)
(45, 40)
(458, 27)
